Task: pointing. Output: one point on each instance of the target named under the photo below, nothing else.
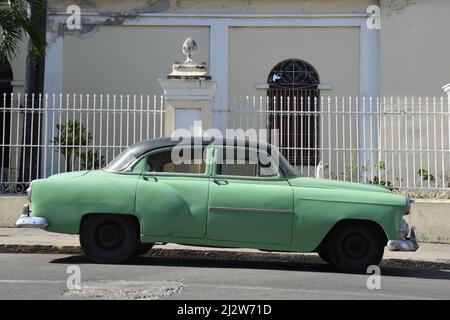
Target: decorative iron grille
(294, 101)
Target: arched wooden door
(293, 104)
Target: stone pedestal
(189, 96)
(189, 102)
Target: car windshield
(121, 162)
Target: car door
(171, 198)
(248, 202)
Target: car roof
(146, 146)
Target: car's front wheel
(354, 247)
(109, 238)
(142, 249)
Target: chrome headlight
(404, 229)
(409, 202)
(28, 191)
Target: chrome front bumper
(408, 244)
(25, 221)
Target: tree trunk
(34, 84)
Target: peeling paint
(177, 5)
(395, 6)
(87, 3)
(53, 34)
(115, 19)
(153, 6)
(88, 29)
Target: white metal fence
(48, 134)
(403, 143)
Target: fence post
(44, 138)
(369, 91)
(446, 89)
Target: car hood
(73, 174)
(333, 184)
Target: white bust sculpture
(189, 49)
(189, 68)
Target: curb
(26, 248)
(270, 257)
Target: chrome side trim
(410, 244)
(250, 210)
(31, 222)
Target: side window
(244, 162)
(185, 161)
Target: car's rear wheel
(323, 255)
(354, 247)
(109, 238)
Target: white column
(52, 85)
(369, 89)
(54, 59)
(219, 71)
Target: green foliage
(359, 172)
(20, 20)
(447, 180)
(354, 172)
(91, 160)
(379, 182)
(380, 165)
(426, 195)
(72, 138)
(426, 176)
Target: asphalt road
(43, 276)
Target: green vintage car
(231, 193)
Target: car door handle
(150, 178)
(220, 182)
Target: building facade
(285, 50)
(125, 46)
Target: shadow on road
(319, 267)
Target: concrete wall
(254, 51)
(432, 220)
(126, 59)
(214, 6)
(430, 217)
(414, 47)
(11, 209)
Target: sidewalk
(40, 241)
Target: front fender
(318, 210)
(63, 201)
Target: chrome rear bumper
(25, 221)
(408, 244)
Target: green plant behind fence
(73, 141)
